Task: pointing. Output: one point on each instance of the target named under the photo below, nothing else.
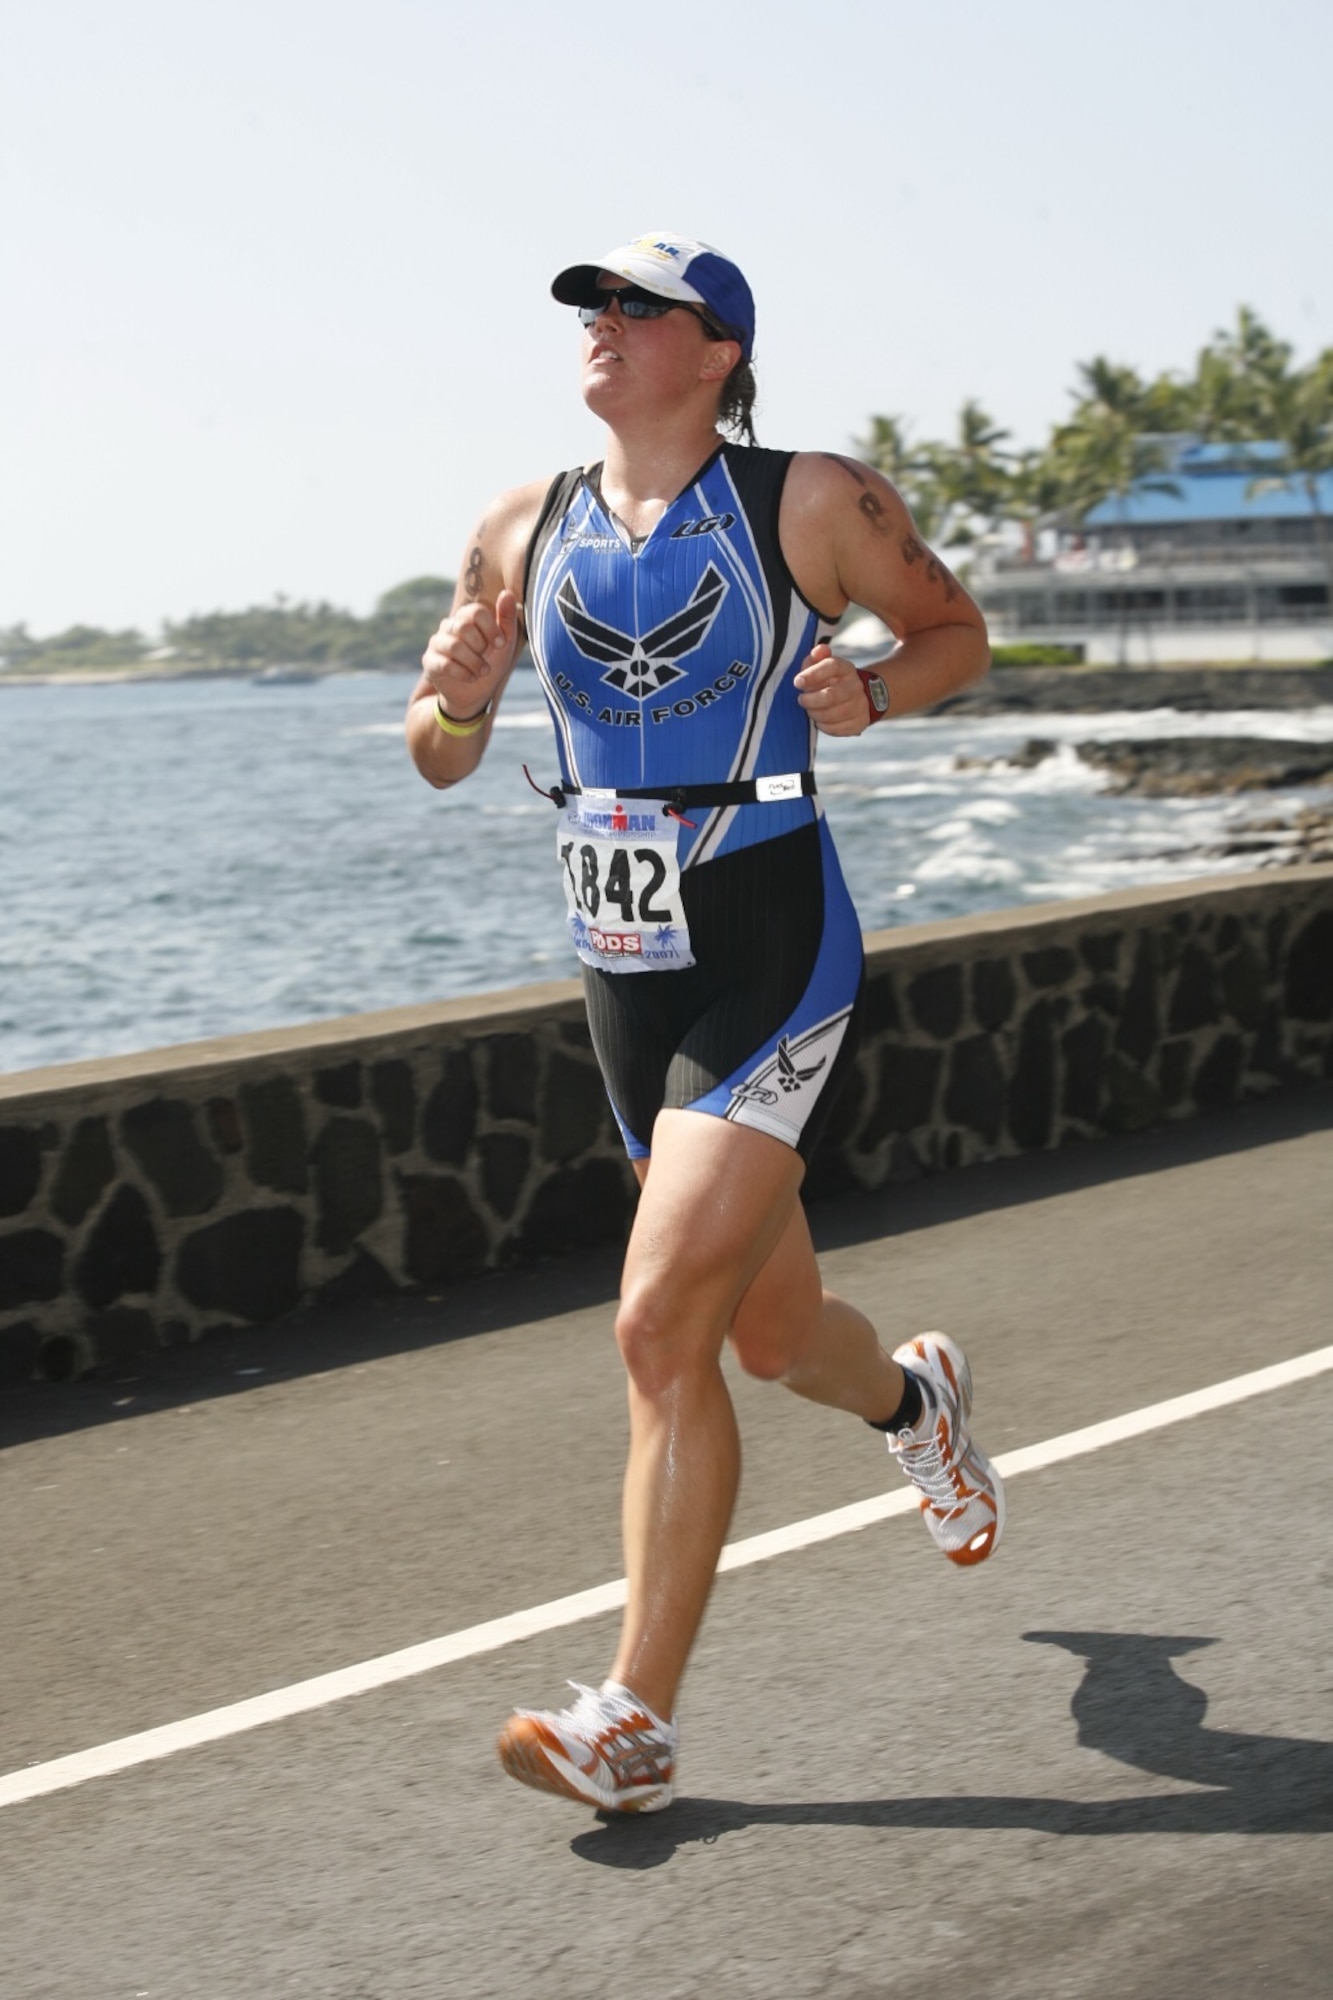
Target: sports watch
(877, 693)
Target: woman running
(678, 599)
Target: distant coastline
(167, 671)
(1054, 690)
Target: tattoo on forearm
(472, 578)
(914, 550)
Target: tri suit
(722, 960)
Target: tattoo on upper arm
(849, 465)
(472, 577)
(914, 550)
(870, 505)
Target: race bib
(622, 884)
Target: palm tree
(1107, 450)
(1035, 493)
(973, 475)
(1112, 443)
(1235, 377)
(1247, 389)
(1299, 419)
(911, 468)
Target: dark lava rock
(1196, 766)
(1304, 839)
(1101, 690)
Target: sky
(274, 274)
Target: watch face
(879, 694)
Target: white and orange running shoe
(962, 1495)
(607, 1750)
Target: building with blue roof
(1217, 556)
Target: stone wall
(151, 1199)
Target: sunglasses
(633, 303)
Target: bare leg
(789, 1329)
(716, 1203)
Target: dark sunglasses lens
(634, 305)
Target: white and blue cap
(675, 267)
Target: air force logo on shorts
(777, 1094)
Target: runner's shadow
(1130, 1705)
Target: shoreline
(1054, 690)
(1093, 690)
(139, 676)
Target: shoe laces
(623, 1731)
(932, 1470)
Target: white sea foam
(961, 862)
(919, 790)
(521, 718)
(506, 719)
(993, 812)
(1063, 771)
(292, 866)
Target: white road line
(299, 1699)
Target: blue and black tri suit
(668, 665)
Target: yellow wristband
(467, 728)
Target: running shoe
(607, 1750)
(962, 1495)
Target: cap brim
(646, 265)
(578, 286)
(575, 287)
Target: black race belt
(677, 798)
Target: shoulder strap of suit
(558, 496)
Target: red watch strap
(865, 676)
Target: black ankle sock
(908, 1413)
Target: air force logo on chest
(643, 667)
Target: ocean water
(181, 860)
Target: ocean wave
(280, 872)
(974, 867)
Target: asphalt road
(1100, 1766)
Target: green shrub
(1036, 655)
